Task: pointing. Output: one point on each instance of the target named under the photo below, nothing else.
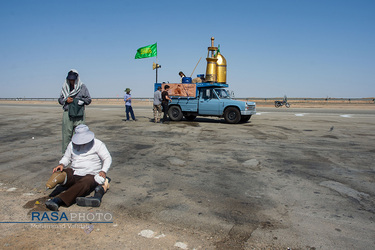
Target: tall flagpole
(156, 68)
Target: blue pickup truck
(190, 100)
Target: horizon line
(257, 98)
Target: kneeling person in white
(90, 162)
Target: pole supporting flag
(147, 51)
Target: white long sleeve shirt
(86, 159)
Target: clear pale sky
(301, 48)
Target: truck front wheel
(245, 118)
(232, 115)
(175, 113)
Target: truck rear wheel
(232, 115)
(175, 113)
(190, 117)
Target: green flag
(218, 51)
(147, 51)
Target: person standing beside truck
(74, 96)
(165, 102)
(157, 105)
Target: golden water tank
(211, 70)
(221, 68)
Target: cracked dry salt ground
(365, 200)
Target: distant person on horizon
(128, 105)
(74, 96)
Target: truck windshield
(222, 93)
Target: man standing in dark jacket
(73, 92)
(165, 102)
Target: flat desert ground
(298, 178)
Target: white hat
(83, 135)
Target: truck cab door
(209, 104)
